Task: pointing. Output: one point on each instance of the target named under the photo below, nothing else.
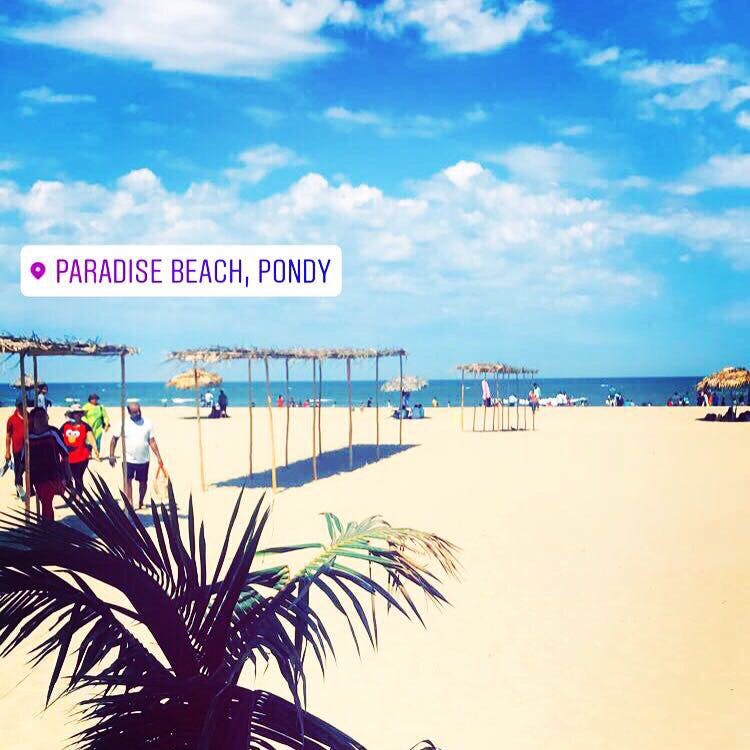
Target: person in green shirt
(96, 417)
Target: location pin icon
(38, 269)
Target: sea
(636, 391)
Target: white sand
(605, 594)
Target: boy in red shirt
(14, 437)
(80, 442)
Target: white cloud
(743, 119)
(556, 164)
(256, 163)
(693, 11)
(233, 37)
(8, 165)
(602, 57)
(574, 131)
(45, 95)
(672, 72)
(737, 96)
(264, 116)
(402, 125)
(738, 312)
(462, 26)
(720, 171)
(461, 232)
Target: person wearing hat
(78, 437)
(96, 417)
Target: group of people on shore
(59, 456)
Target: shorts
(139, 472)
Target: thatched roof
(195, 378)
(410, 383)
(728, 379)
(224, 354)
(485, 368)
(38, 347)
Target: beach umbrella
(196, 378)
(29, 380)
(728, 379)
(411, 383)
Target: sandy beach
(604, 600)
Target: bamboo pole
(462, 400)
(314, 456)
(401, 400)
(286, 439)
(377, 406)
(123, 409)
(494, 405)
(26, 450)
(349, 397)
(525, 406)
(320, 406)
(200, 427)
(518, 422)
(250, 409)
(474, 410)
(36, 381)
(484, 413)
(270, 427)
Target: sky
(555, 183)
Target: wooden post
(250, 409)
(462, 400)
(286, 440)
(123, 416)
(200, 427)
(36, 380)
(26, 451)
(524, 411)
(270, 427)
(349, 396)
(494, 404)
(484, 413)
(320, 406)
(518, 415)
(474, 410)
(401, 399)
(377, 406)
(312, 404)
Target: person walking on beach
(139, 442)
(78, 437)
(48, 461)
(486, 394)
(14, 440)
(96, 417)
(533, 400)
(223, 403)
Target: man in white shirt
(139, 441)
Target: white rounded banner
(181, 271)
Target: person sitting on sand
(223, 403)
(48, 461)
(78, 437)
(139, 441)
(96, 417)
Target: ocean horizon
(635, 390)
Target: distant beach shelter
(502, 408)
(733, 379)
(35, 347)
(195, 379)
(316, 357)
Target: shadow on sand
(299, 473)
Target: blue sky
(560, 184)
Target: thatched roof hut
(34, 346)
(195, 378)
(409, 384)
(728, 379)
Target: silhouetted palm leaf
(181, 691)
